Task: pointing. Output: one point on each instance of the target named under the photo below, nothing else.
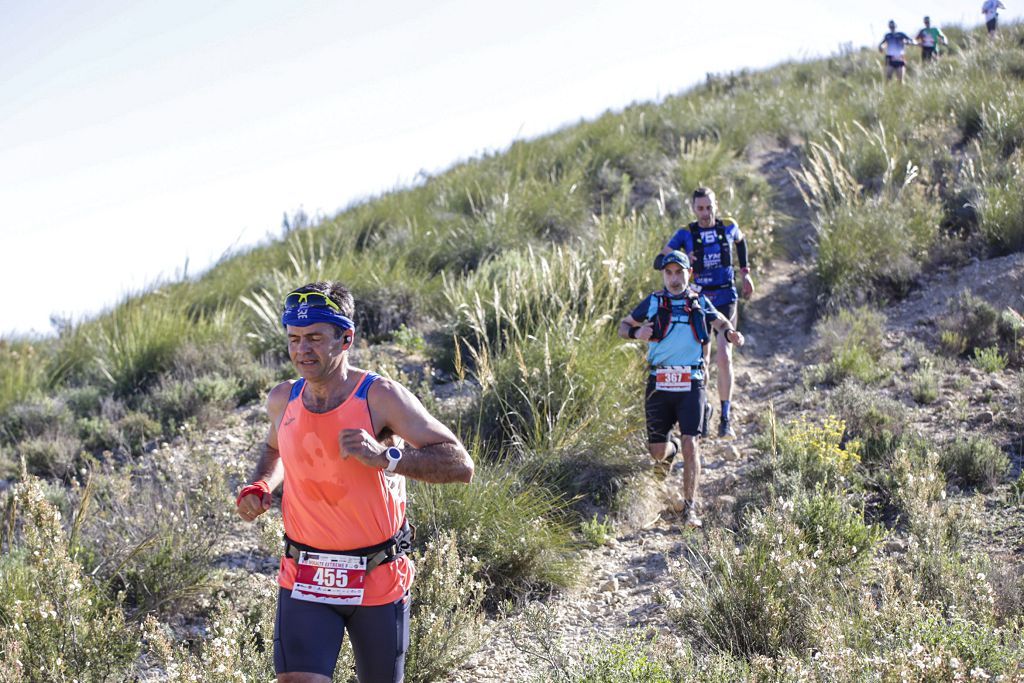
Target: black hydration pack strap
(382, 553)
(662, 322)
(698, 245)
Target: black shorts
(894, 63)
(927, 53)
(991, 23)
(665, 409)
(308, 635)
(728, 312)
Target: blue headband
(304, 315)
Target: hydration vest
(720, 237)
(662, 322)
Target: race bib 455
(329, 578)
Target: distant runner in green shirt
(928, 38)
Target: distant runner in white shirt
(894, 46)
(990, 8)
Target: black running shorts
(308, 636)
(665, 409)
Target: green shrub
(837, 529)
(758, 597)
(153, 530)
(516, 530)
(989, 359)
(849, 344)
(137, 340)
(975, 461)
(53, 456)
(814, 452)
(1002, 213)
(447, 621)
(924, 385)
(877, 421)
(59, 622)
(596, 532)
(98, 434)
(628, 660)
(971, 323)
(36, 419)
(22, 375)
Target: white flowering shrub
(836, 529)
(57, 623)
(447, 611)
(238, 648)
(758, 598)
(154, 529)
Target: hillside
(866, 524)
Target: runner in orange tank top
(345, 566)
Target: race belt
(375, 555)
(338, 577)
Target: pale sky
(138, 135)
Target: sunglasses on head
(296, 299)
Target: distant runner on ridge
(894, 45)
(708, 242)
(929, 38)
(990, 8)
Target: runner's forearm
(437, 464)
(269, 468)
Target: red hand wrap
(258, 488)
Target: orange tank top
(339, 504)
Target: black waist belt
(375, 555)
(654, 368)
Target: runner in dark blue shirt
(709, 242)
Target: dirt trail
(627, 573)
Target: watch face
(394, 454)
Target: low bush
(836, 530)
(52, 456)
(59, 622)
(975, 462)
(989, 359)
(924, 385)
(976, 329)
(1002, 213)
(878, 422)
(758, 597)
(154, 529)
(814, 453)
(239, 644)
(517, 530)
(447, 621)
(849, 345)
(22, 374)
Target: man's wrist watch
(393, 455)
